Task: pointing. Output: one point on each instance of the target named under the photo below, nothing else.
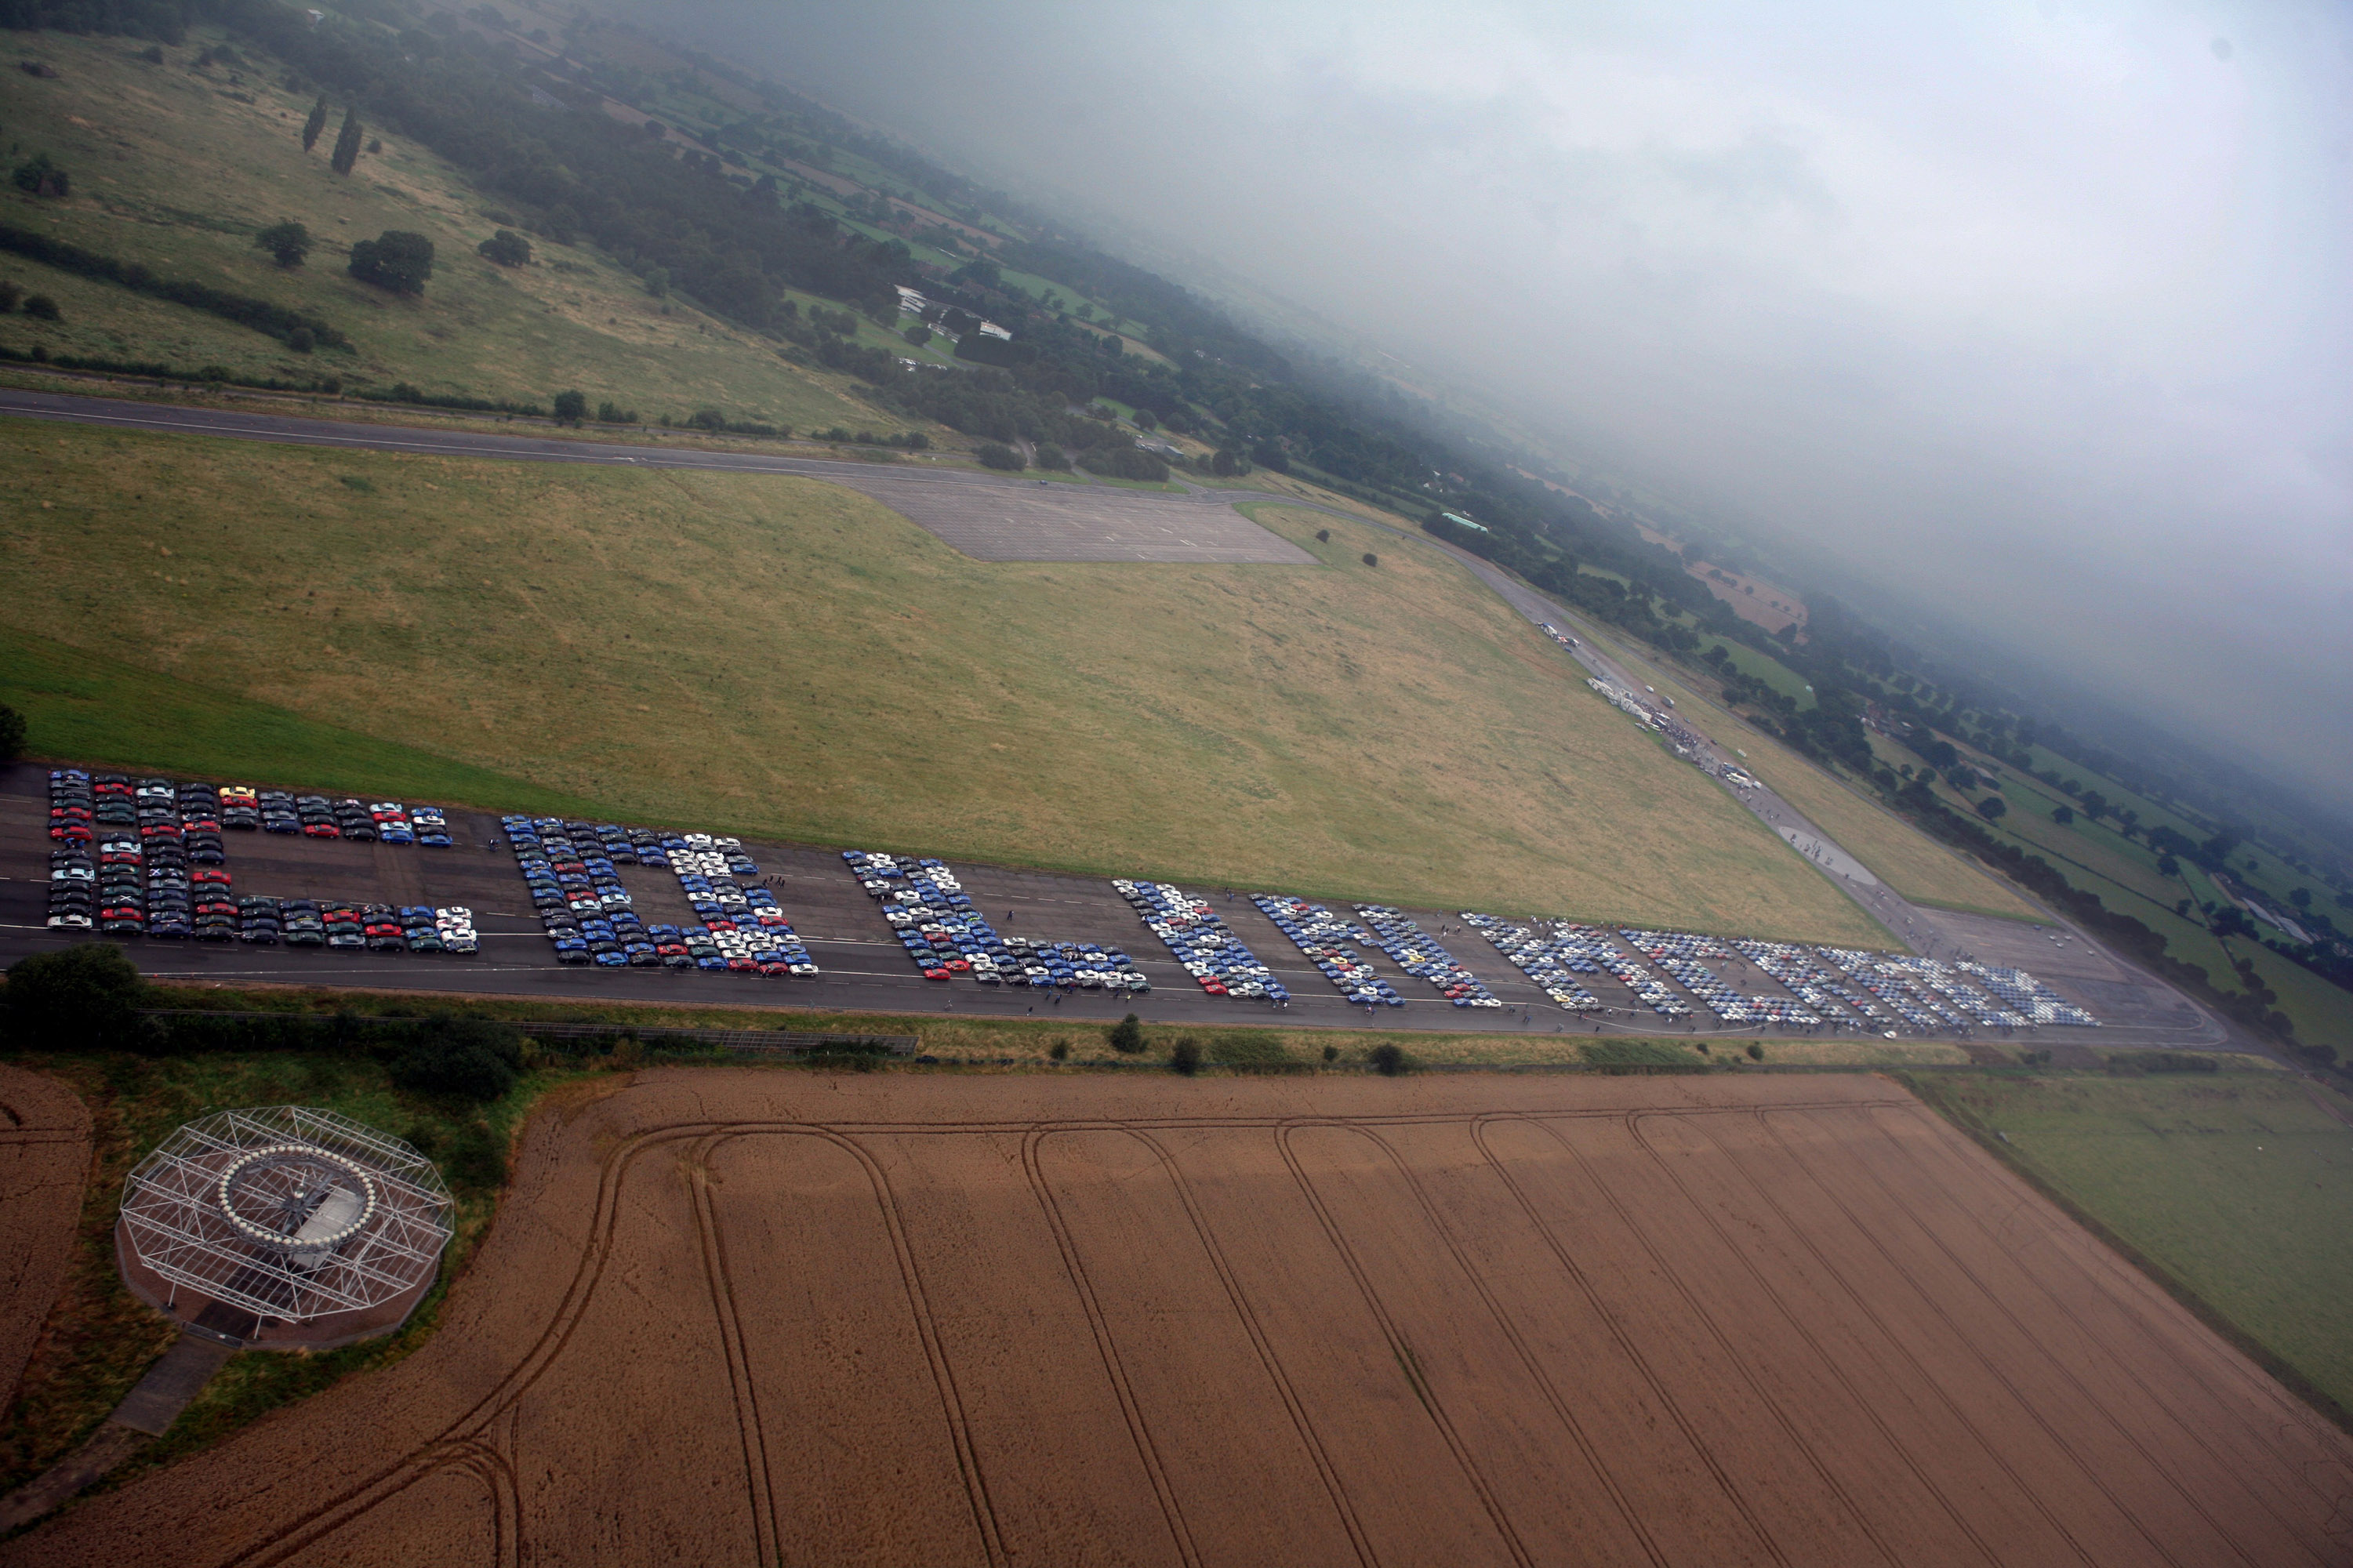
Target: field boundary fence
(259, 1028)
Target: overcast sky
(2038, 311)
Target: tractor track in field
(1788, 1303)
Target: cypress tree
(316, 124)
(347, 142)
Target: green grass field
(2095, 857)
(169, 172)
(2233, 1185)
(1764, 668)
(781, 657)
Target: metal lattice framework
(287, 1212)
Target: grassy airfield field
(784, 656)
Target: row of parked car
(944, 934)
(1325, 940)
(1685, 955)
(1199, 936)
(1829, 990)
(1418, 953)
(744, 923)
(133, 855)
(571, 870)
(1539, 953)
(376, 928)
(2028, 996)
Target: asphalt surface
(987, 516)
(863, 968)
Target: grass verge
(100, 1339)
(2228, 1189)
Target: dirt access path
(736, 1316)
(44, 1156)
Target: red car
(935, 974)
(773, 969)
(59, 813)
(70, 832)
(210, 874)
(744, 966)
(321, 830)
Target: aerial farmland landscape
(822, 786)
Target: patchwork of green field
(2123, 872)
(172, 168)
(2233, 1183)
(782, 657)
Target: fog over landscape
(2031, 316)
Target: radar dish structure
(287, 1211)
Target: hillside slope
(174, 168)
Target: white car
(69, 922)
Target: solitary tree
(1371, 559)
(1127, 1037)
(315, 123)
(289, 242)
(1387, 1059)
(396, 259)
(507, 249)
(347, 142)
(12, 733)
(1186, 1057)
(76, 998)
(38, 177)
(571, 408)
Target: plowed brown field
(757, 1317)
(44, 1155)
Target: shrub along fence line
(261, 315)
(186, 1029)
